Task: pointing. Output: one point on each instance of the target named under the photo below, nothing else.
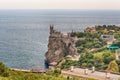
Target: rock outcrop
(59, 46)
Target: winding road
(78, 72)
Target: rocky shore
(59, 46)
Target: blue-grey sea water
(24, 33)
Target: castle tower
(68, 35)
(51, 29)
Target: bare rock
(59, 46)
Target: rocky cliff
(59, 46)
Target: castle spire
(51, 28)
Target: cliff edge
(59, 46)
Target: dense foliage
(4, 71)
(93, 50)
(88, 41)
(7, 74)
(113, 66)
(99, 60)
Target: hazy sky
(59, 4)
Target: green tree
(4, 71)
(113, 66)
(108, 57)
(86, 60)
(118, 62)
(98, 58)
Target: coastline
(25, 49)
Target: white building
(117, 54)
(109, 38)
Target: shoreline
(33, 70)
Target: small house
(113, 47)
(108, 38)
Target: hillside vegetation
(94, 51)
(7, 74)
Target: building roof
(114, 47)
(53, 63)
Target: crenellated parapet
(54, 33)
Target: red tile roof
(53, 63)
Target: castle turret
(51, 29)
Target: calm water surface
(24, 33)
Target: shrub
(4, 71)
(113, 66)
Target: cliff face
(59, 46)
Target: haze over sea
(24, 33)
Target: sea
(24, 33)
